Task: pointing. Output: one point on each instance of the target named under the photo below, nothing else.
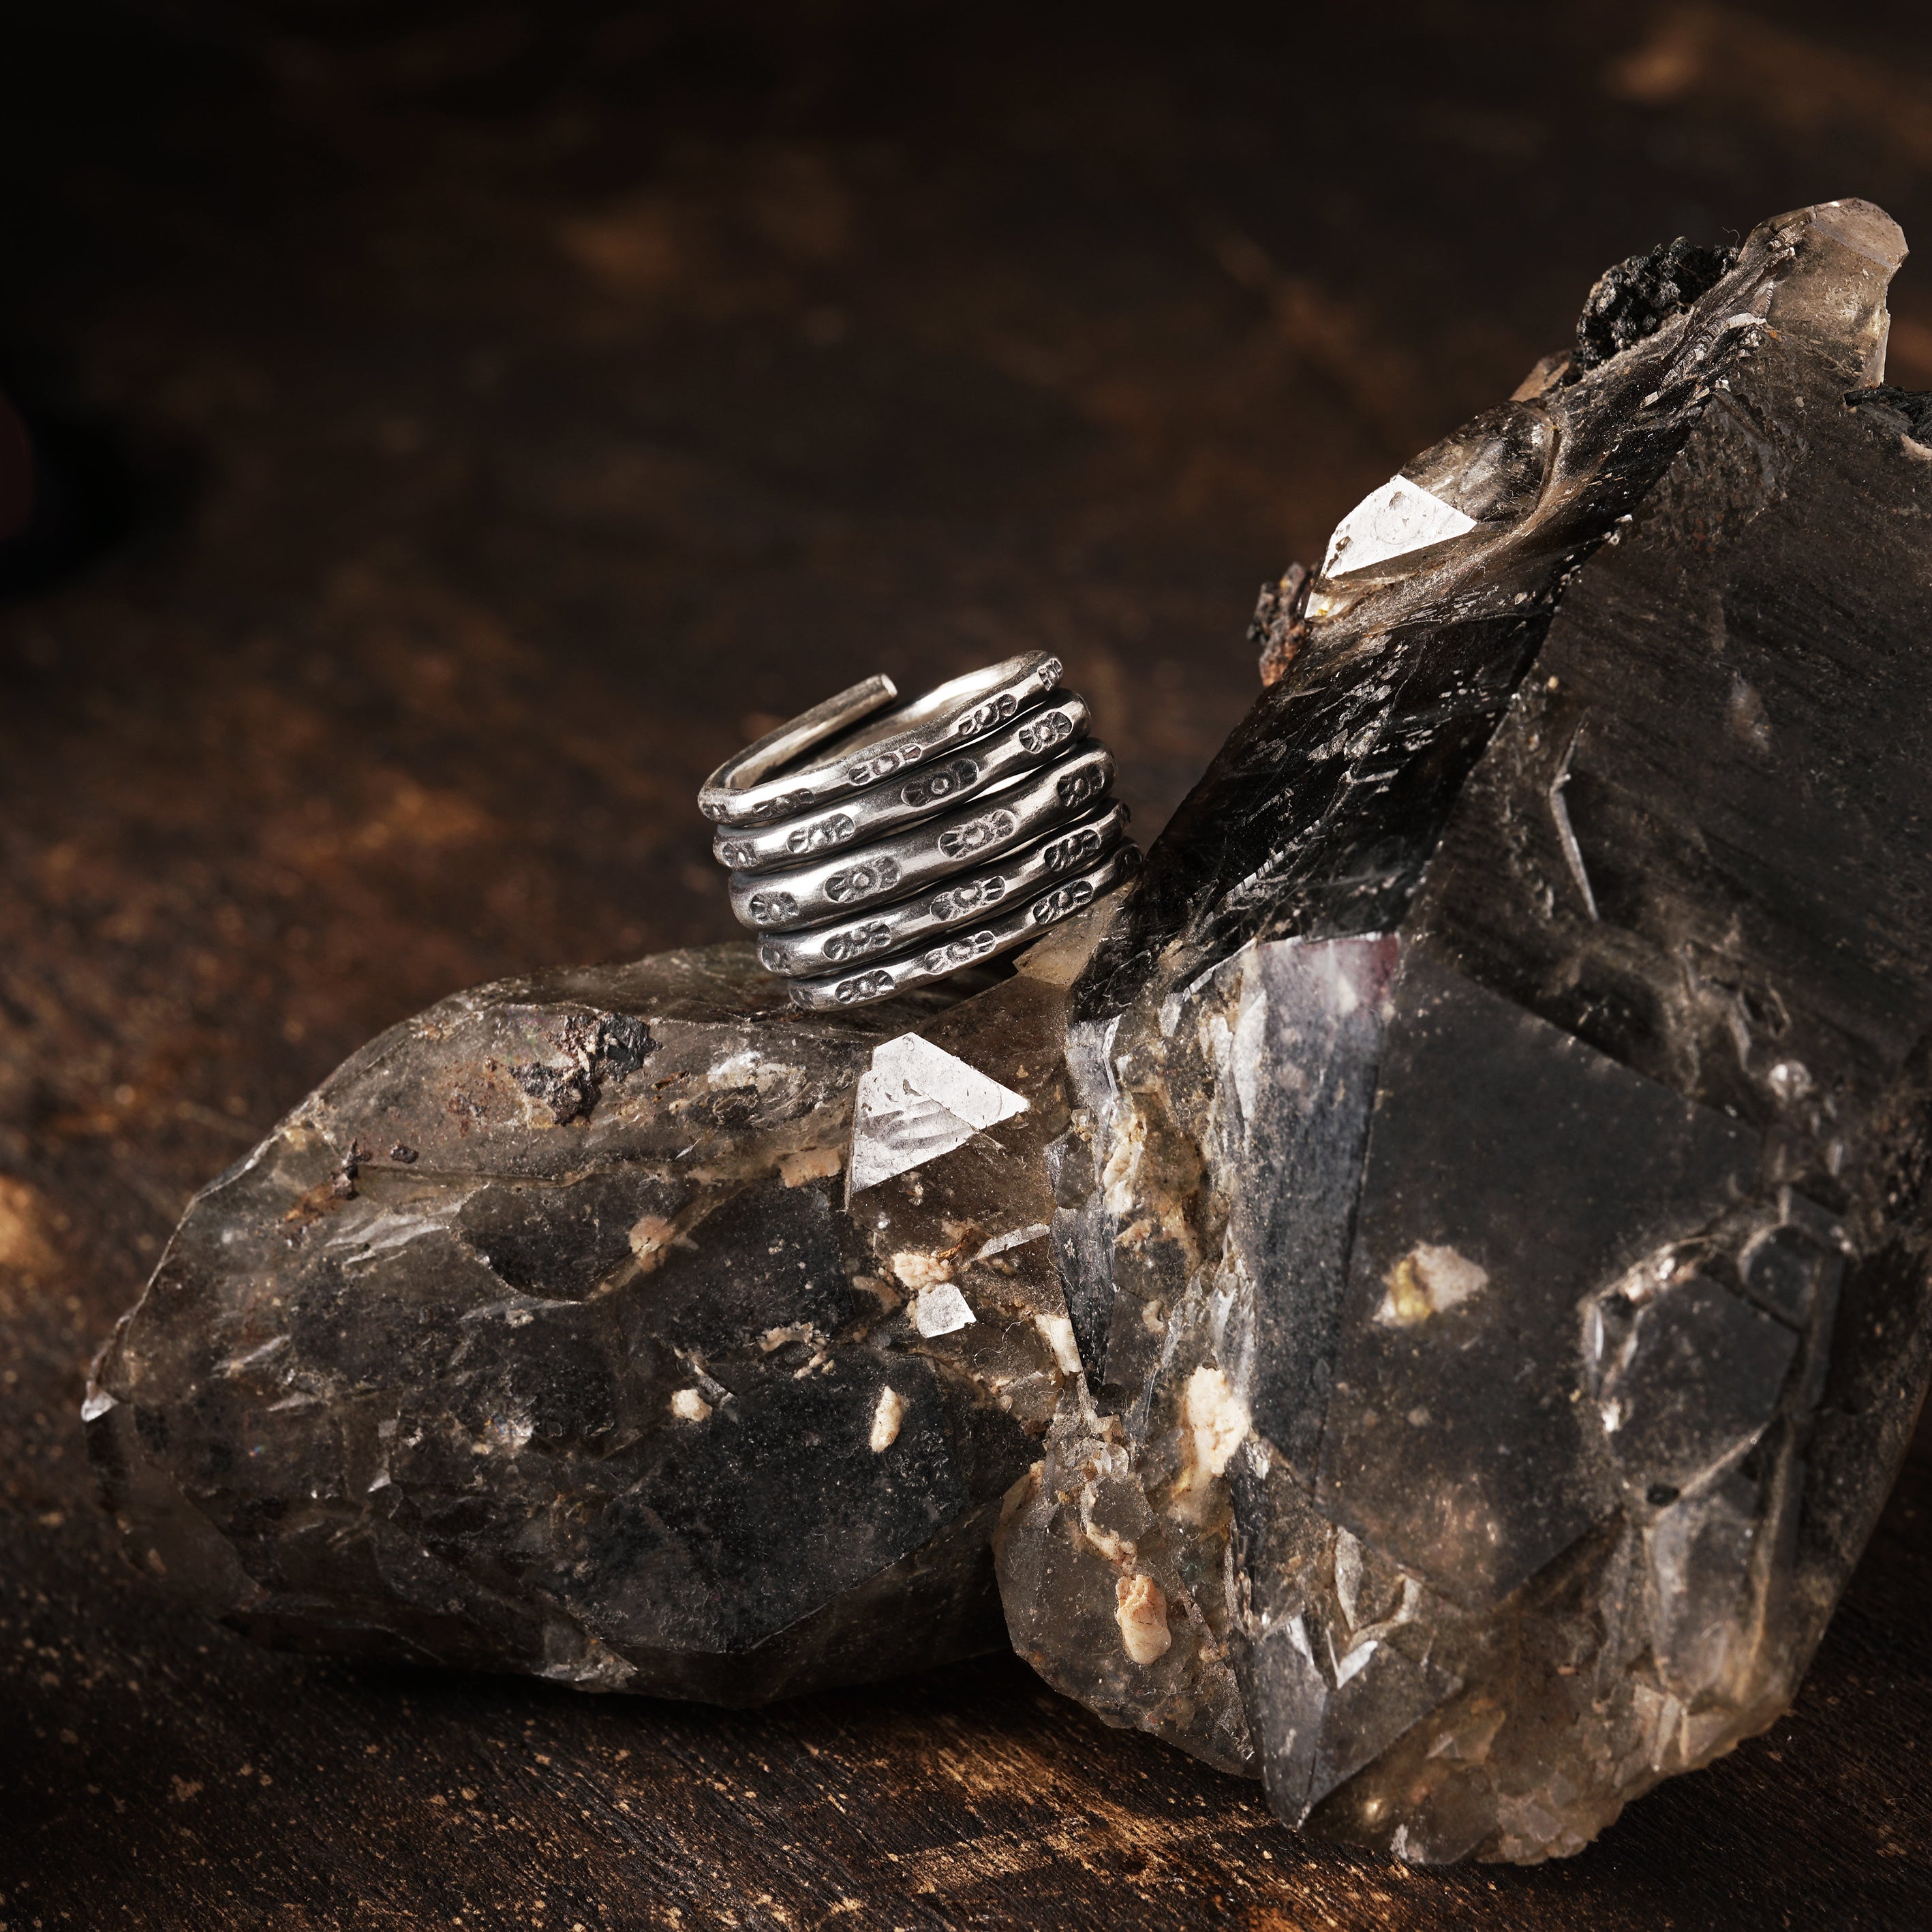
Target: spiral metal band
(1026, 921)
(772, 779)
(950, 830)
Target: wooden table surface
(464, 422)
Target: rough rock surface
(1495, 1217)
(541, 1338)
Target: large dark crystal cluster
(1494, 1223)
(1430, 1286)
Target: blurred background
(440, 433)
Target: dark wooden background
(463, 423)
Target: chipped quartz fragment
(917, 1101)
(604, 1383)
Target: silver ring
(954, 902)
(1024, 922)
(998, 822)
(933, 786)
(945, 831)
(764, 781)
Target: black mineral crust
(1425, 1293)
(1634, 299)
(1494, 1217)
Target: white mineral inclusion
(1398, 517)
(687, 1405)
(649, 1238)
(1058, 1333)
(941, 1310)
(917, 1270)
(917, 1101)
(809, 1164)
(886, 1420)
(1216, 1419)
(1140, 1608)
(1427, 1280)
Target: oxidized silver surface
(949, 831)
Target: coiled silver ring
(870, 857)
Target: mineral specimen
(1494, 1219)
(1437, 1271)
(540, 1338)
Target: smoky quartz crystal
(540, 1338)
(1423, 1296)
